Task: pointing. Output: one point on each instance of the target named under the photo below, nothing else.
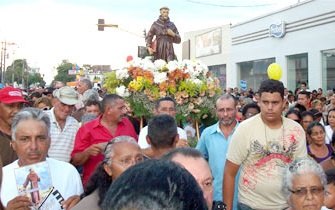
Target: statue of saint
(33, 179)
(166, 33)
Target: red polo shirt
(93, 133)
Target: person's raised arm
(81, 157)
(230, 172)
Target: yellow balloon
(274, 71)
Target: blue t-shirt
(214, 147)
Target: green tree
(15, 72)
(20, 72)
(36, 78)
(62, 72)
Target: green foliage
(19, 72)
(110, 82)
(141, 105)
(36, 78)
(15, 72)
(62, 72)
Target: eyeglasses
(302, 192)
(128, 161)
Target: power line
(230, 6)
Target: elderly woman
(317, 148)
(120, 153)
(304, 183)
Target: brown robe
(33, 179)
(164, 45)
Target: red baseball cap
(9, 95)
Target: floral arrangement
(189, 82)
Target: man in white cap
(11, 102)
(63, 127)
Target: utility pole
(3, 59)
(4, 63)
(1, 66)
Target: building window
(220, 72)
(297, 70)
(328, 69)
(254, 72)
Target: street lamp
(101, 25)
(141, 50)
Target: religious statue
(166, 33)
(33, 179)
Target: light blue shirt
(214, 147)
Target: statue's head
(164, 12)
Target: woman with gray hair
(120, 153)
(304, 184)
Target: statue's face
(165, 14)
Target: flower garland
(189, 82)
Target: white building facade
(212, 46)
(300, 38)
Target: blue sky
(48, 31)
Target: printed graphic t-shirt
(262, 154)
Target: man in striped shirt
(63, 127)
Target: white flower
(193, 73)
(197, 81)
(198, 68)
(121, 74)
(160, 77)
(172, 65)
(204, 68)
(122, 91)
(186, 63)
(160, 64)
(137, 62)
(148, 65)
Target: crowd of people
(270, 149)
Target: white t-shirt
(142, 140)
(262, 154)
(329, 134)
(65, 180)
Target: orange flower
(184, 94)
(163, 86)
(177, 75)
(148, 76)
(162, 94)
